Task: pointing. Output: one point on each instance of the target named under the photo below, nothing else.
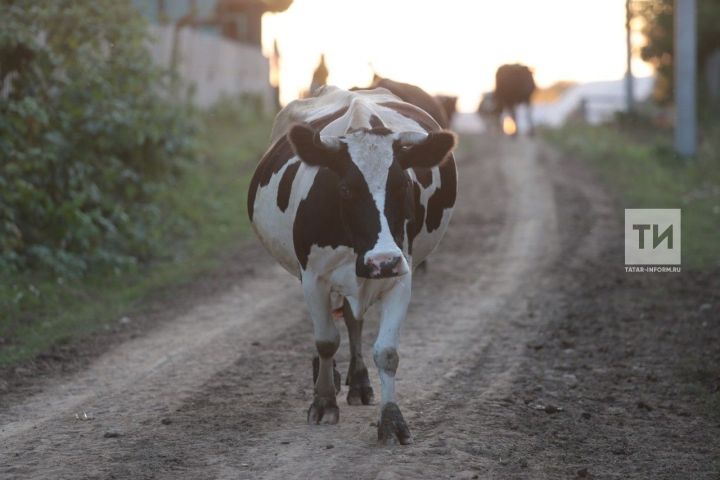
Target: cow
(415, 95)
(449, 106)
(356, 189)
(514, 85)
(488, 112)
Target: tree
(658, 30)
(87, 136)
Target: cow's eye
(345, 192)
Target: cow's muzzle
(383, 266)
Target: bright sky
(448, 46)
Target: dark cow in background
(514, 85)
(356, 190)
(416, 96)
(488, 112)
(449, 105)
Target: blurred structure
(320, 76)
(592, 102)
(685, 75)
(214, 46)
(628, 56)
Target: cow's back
(514, 84)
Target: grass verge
(640, 167)
(38, 310)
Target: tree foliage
(659, 31)
(87, 135)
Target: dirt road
(485, 382)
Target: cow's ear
(311, 149)
(427, 153)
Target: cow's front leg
(360, 391)
(324, 407)
(391, 427)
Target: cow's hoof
(337, 379)
(360, 395)
(360, 392)
(392, 427)
(323, 410)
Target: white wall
(215, 66)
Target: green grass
(40, 310)
(639, 166)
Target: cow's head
(373, 188)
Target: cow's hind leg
(360, 392)
(391, 427)
(324, 407)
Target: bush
(88, 136)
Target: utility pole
(685, 59)
(629, 97)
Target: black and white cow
(356, 188)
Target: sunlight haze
(451, 48)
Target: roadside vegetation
(638, 163)
(110, 190)
(41, 308)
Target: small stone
(285, 442)
(570, 379)
(582, 473)
(552, 409)
(586, 415)
(644, 406)
(373, 424)
(124, 320)
(112, 434)
(255, 343)
(166, 421)
(705, 307)
(329, 446)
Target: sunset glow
(509, 127)
(452, 47)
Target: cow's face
(373, 187)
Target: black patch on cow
(375, 122)
(278, 155)
(326, 219)
(424, 176)
(283, 196)
(443, 197)
(417, 217)
(380, 131)
(398, 202)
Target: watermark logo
(652, 240)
